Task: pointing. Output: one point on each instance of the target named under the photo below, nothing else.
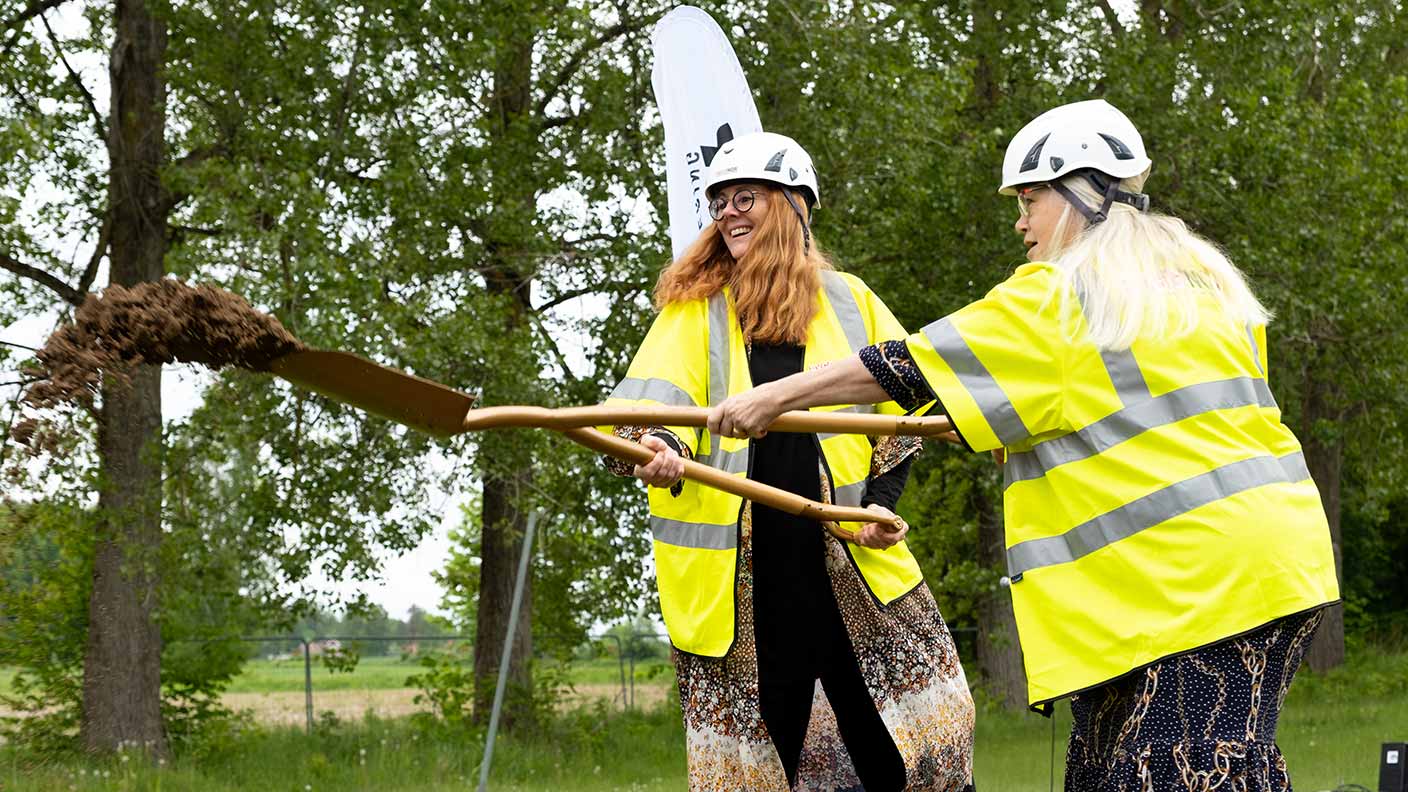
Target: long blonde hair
(774, 285)
(1140, 274)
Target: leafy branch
(568, 296)
(69, 294)
(579, 56)
(76, 80)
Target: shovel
(441, 411)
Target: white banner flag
(704, 102)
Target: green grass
(371, 673)
(1330, 731)
(1333, 724)
(637, 751)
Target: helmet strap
(1110, 189)
(801, 218)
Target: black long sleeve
(886, 488)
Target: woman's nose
(1021, 225)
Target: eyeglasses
(742, 201)
(1024, 198)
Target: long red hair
(774, 285)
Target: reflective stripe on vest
(690, 534)
(1125, 375)
(732, 462)
(736, 461)
(850, 494)
(1256, 350)
(718, 348)
(1134, 420)
(1155, 508)
(660, 390)
(843, 302)
(997, 409)
(1123, 369)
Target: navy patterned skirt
(1200, 721)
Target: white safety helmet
(764, 157)
(1092, 138)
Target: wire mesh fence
(295, 678)
(350, 674)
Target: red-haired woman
(806, 659)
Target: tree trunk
(1325, 460)
(507, 234)
(122, 662)
(999, 654)
(500, 547)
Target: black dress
(798, 628)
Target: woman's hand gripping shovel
(438, 410)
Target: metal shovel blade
(419, 403)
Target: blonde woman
(1167, 552)
(806, 659)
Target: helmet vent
(792, 174)
(1056, 164)
(1033, 158)
(1120, 150)
(775, 164)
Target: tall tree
(436, 186)
(121, 679)
(122, 664)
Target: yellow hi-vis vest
(1154, 501)
(695, 355)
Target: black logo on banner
(723, 135)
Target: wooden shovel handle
(746, 488)
(796, 421)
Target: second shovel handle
(745, 488)
(833, 422)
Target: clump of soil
(157, 322)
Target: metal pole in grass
(508, 650)
(307, 683)
(621, 666)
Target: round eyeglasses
(742, 201)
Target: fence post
(508, 648)
(307, 683)
(621, 666)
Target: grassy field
(390, 673)
(1330, 732)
